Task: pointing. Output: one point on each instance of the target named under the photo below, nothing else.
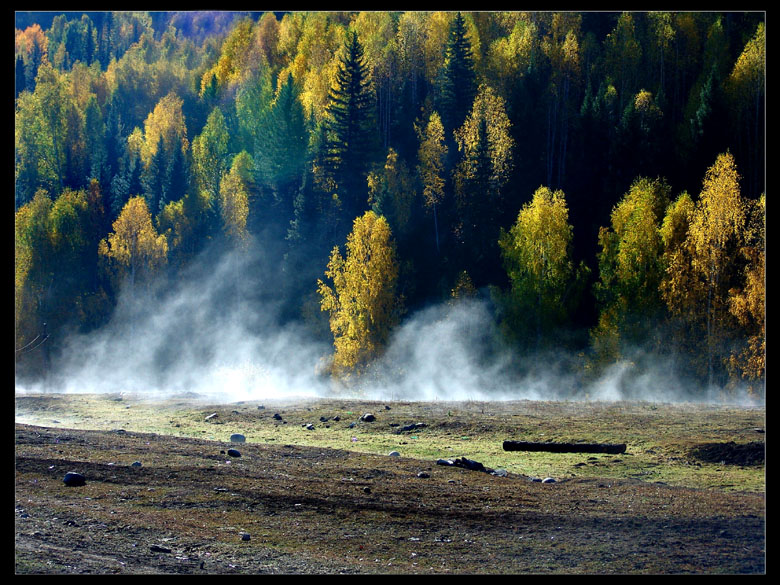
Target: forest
(596, 178)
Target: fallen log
(565, 447)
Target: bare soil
(285, 508)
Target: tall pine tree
(458, 84)
(352, 131)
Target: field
(315, 489)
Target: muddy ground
(284, 508)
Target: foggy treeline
(440, 203)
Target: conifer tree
(458, 79)
(351, 124)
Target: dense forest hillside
(596, 180)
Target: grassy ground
(687, 496)
(663, 441)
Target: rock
(233, 453)
(323, 419)
(160, 549)
(245, 537)
(423, 475)
(368, 417)
(337, 418)
(237, 438)
(548, 480)
(499, 472)
(367, 490)
(308, 426)
(394, 454)
(469, 464)
(412, 427)
(447, 462)
(277, 416)
(73, 479)
(212, 416)
(136, 464)
(387, 407)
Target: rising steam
(218, 332)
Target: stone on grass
(136, 464)
(368, 417)
(548, 480)
(245, 537)
(233, 453)
(237, 438)
(277, 416)
(212, 416)
(394, 454)
(73, 479)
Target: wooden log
(565, 447)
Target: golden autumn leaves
(362, 302)
(697, 267)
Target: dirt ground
(191, 508)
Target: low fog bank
(217, 332)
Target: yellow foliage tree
(234, 199)
(362, 303)
(166, 121)
(631, 269)
(134, 244)
(748, 303)
(537, 257)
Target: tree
(537, 257)
(34, 264)
(486, 148)
(209, 153)
(432, 157)
(234, 199)
(458, 84)
(715, 234)
(280, 151)
(631, 268)
(362, 302)
(135, 245)
(745, 87)
(391, 194)
(748, 303)
(41, 134)
(351, 127)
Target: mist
(219, 332)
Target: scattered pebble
(233, 453)
(245, 537)
(423, 474)
(368, 417)
(277, 416)
(394, 454)
(136, 464)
